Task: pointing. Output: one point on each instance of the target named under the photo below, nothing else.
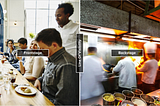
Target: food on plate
(10, 72)
(118, 98)
(23, 88)
(26, 90)
(109, 98)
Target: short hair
(48, 36)
(22, 41)
(68, 8)
(92, 49)
(10, 40)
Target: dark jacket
(60, 82)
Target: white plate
(18, 90)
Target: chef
(93, 74)
(149, 68)
(127, 74)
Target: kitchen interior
(120, 25)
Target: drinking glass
(12, 78)
(6, 82)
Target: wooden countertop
(11, 97)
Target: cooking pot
(119, 97)
(138, 101)
(109, 101)
(108, 67)
(137, 92)
(129, 94)
(149, 100)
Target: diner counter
(12, 98)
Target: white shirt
(127, 73)
(34, 66)
(150, 71)
(69, 37)
(91, 77)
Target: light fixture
(106, 36)
(4, 11)
(15, 23)
(132, 39)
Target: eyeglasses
(10, 43)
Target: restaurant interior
(24, 19)
(115, 28)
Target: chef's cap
(150, 47)
(92, 41)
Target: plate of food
(25, 90)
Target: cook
(149, 68)
(127, 74)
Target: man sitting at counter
(149, 68)
(127, 74)
(60, 82)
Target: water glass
(6, 82)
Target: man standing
(67, 28)
(149, 68)
(60, 82)
(93, 75)
(127, 74)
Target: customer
(92, 76)
(60, 82)
(33, 67)
(22, 43)
(10, 54)
(6, 46)
(127, 74)
(149, 68)
(67, 28)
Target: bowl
(138, 101)
(148, 99)
(137, 92)
(108, 99)
(126, 103)
(129, 94)
(119, 97)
